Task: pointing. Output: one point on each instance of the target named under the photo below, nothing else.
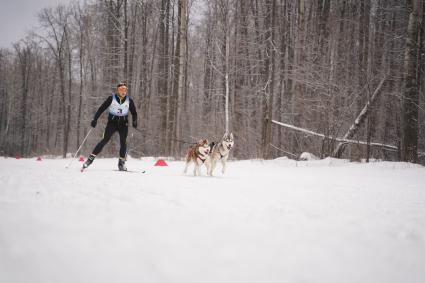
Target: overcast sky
(18, 16)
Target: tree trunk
(359, 120)
(180, 86)
(69, 103)
(125, 69)
(410, 129)
(80, 97)
(163, 66)
(299, 89)
(226, 67)
(270, 74)
(24, 55)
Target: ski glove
(93, 123)
(135, 124)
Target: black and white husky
(220, 152)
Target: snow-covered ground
(275, 221)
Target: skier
(119, 105)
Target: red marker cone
(161, 162)
(18, 157)
(39, 158)
(81, 159)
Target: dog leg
(223, 162)
(199, 170)
(185, 168)
(213, 164)
(195, 169)
(208, 165)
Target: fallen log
(341, 140)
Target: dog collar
(221, 155)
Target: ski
(131, 171)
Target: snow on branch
(287, 152)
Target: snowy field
(276, 221)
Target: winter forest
(330, 77)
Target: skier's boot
(121, 164)
(88, 161)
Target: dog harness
(221, 155)
(218, 148)
(198, 154)
(118, 109)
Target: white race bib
(118, 109)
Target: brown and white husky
(198, 154)
(221, 151)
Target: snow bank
(326, 162)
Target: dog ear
(225, 135)
(231, 136)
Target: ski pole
(84, 140)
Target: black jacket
(105, 105)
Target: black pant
(111, 127)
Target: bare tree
(179, 76)
(24, 54)
(411, 78)
(56, 23)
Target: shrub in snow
(306, 156)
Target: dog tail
(189, 154)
